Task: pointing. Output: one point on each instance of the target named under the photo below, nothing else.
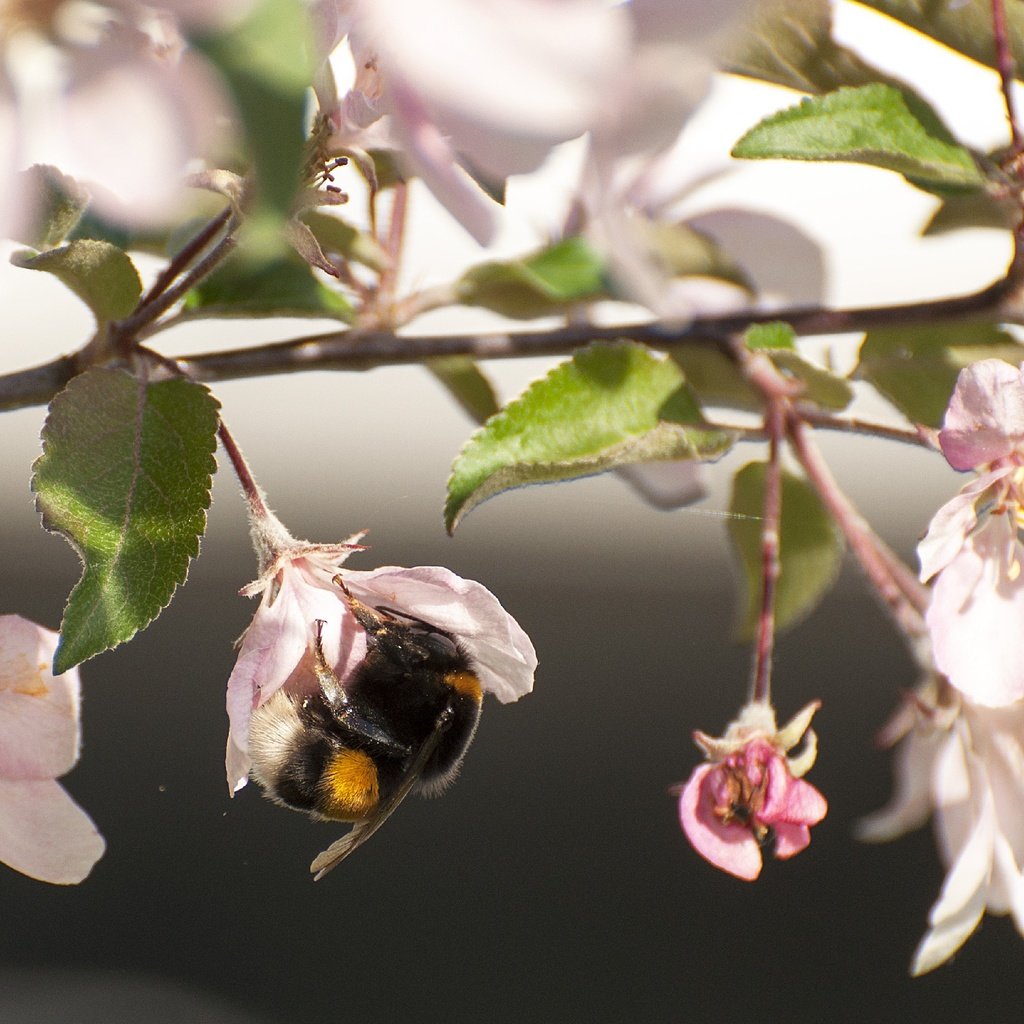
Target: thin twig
(764, 644)
(905, 598)
(1006, 67)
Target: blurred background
(552, 881)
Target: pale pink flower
(297, 590)
(965, 763)
(485, 85)
(111, 95)
(43, 833)
(973, 546)
(751, 792)
(626, 180)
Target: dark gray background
(552, 881)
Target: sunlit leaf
(125, 475)
(872, 125)
(916, 367)
(100, 274)
(544, 283)
(610, 405)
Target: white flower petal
(944, 938)
(975, 615)
(952, 524)
(911, 803)
(501, 652)
(44, 834)
(38, 711)
(507, 79)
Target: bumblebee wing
(362, 830)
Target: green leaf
(820, 387)
(284, 286)
(266, 65)
(774, 335)
(964, 27)
(610, 405)
(789, 43)
(810, 547)
(916, 367)
(871, 125)
(337, 236)
(544, 283)
(467, 383)
(716, 379)
(57, 202)
(100, 274)
(125, 475)
(686, 252)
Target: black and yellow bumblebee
(402, 722)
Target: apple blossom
(43, 833)
(750, 791)
(111, 95)
(466, 88)
(965, 763)
(297, 591)
(973, 547)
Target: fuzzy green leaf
(541, 284)
(100, 274)
(810, 547)
(57, 202)
(716, 379)
(125, 476)
(685, 252)
(775, 335)
(281, 287)
(916, 367)
(871, 125)
(610, 405)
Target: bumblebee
(402, 722)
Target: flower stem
(764, 645)
(905, 598)
(1006, 66)
(250, 489)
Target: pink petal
(975, 619)
(953, 523)
(274, 646)
(132, 124)
(434, 161)
(38, 711)
(985, 419)
(802, 805)
(505, 79)
(44, 834)
(501, 652)
(790, 839)
(729, 847)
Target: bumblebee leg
(330, 685)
